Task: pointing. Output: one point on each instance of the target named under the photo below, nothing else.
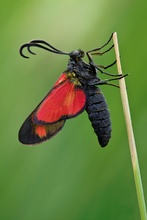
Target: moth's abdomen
(99, 115)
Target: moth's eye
(77, 53)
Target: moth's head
(77, 54)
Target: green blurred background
(70, 177)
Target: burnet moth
(76, 90)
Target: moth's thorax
(80, 68)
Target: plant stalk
(131, 139)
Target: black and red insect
(76, 90)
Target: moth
(76, 90)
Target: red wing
(66, 100)
(31, 133)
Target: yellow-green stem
(133, 151)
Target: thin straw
(132, 145)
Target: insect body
(75, 91)
(99, 116)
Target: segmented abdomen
(99, 115)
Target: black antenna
(41, 44)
